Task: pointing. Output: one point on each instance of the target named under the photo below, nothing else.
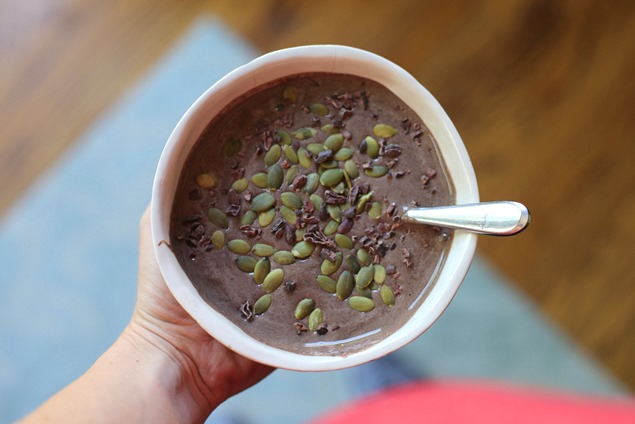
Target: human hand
(209, 370)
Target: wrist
(171, 375)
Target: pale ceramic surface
(324, 58)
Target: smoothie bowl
(278, 202)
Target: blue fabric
(68, 263)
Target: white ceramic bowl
(319, 58)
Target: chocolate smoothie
(287, 217)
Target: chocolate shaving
(332, 198)
(346, 226)
(247, 311)
(316, 236)
(299, 181)
(349, 213)
(233, 210)
(289, 286)
(289, 234)
(308, 207)
(353, 194)
(323, 213)
(425, 178)
(392, 151)
(300, 328)
(250, 231)
(322, 329)
(233, 198)
(328, 254)
(323, 156)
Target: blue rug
(68, 263)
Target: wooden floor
(543, 93)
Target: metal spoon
(501, 218)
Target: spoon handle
(501, 218)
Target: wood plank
(542, 93)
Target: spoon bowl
(502, 218)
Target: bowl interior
(324, 58)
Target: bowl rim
(266, 68)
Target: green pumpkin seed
(238, 246)
(288, 215)
(330, 164)
(232, 147)
(299, 234)
(265, 218)
(370, 146)
(303, 249)
(387, 295)
(246, 263)
(328, 267)
(315, 319)
(347, 179)
(331, 228)
(275, 176)
(365, 276)
(304, 158)
(345, 285)
(272, 156)
(331, 177)
(334, 212)
(290, 154)
(290, 175)
(345, 153)
(329, 129)
(315, 148)
(283, 257)
(206, 180)
(312, 182)
(384, 131)
(262, 304)
(240, 185)
(364, 292)
(380, 274)
(361, 204)
(263, 250)
(363, 256)
(285, 138)
(375, 210)
(248, 218)
(361, 303)
(344, 242)
(261, 270)
(304, 308)
(218, 239)
(319, 109)
(334, 142)
(273, 280)
(291, 200)
(326, 283)
(260, 180)
(317, 200)
(353, 264)
(304, 133)
(351, 169)
(376, 171)
(339, 188)
(217, 217)
(263, 202)
(290, 94)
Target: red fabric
(474, 403)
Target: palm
(225, 372)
